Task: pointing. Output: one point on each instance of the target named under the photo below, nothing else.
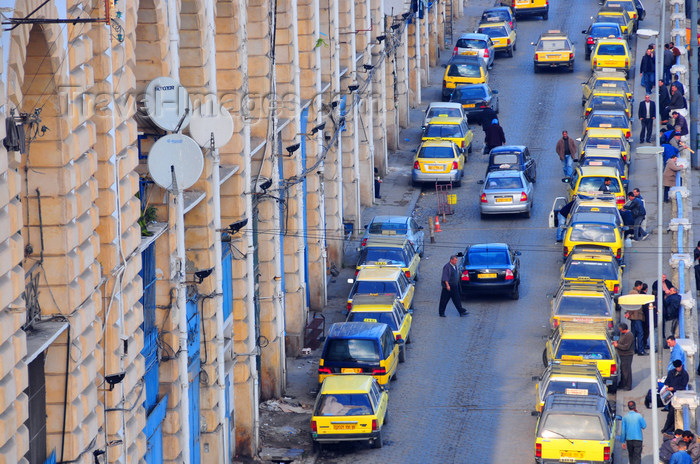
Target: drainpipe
(218, 270)
(174, 37)
(416, 21)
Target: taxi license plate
(469, 53)
(343, 427)
(351, 370)
(504, 200)
(434, 167)
(553, 56)
(470, 105)
(571, 454)
(587, 320)
(487, 276)
(522, 2)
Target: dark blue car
(490, 268)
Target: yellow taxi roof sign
(554, 31)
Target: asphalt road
(466, 392)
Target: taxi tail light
(595, 62)
(590, 41)
(509, 275)
(483, 106)
(624, 158)
(454, 52)
(556, 323)
(616, 288)
(571, 55)
(314, 427)
(566, 251)
(455, 165)
(399, 337)
(606, 453)
(380, 371)
(627, 62)
(587, 113)
(374, 425)
(416, 165)
(486, 53)
(465, 276)
(483, 198)
(510, 23)
(523, 196)
(618, 253)
(508, 43)
(324, 370)
(634, 15)
(628, 134)
(613, 369)
(349, 306)
(513, 3)
(610, 325)
(444, 83)
(620, 201)
(538, 450)
(357, 271)
(408, 274)
(462, 146)
(364, 240)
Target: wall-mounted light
(353, 87)
(292, 148)
(395, 26)
(368, 67)
(320, 127)
(406, 15)
(381, 38)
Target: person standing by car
(676, 380)
(636, 318)
(625, 349)
(562, 214)
(635, 206)
(647, 114)
(670, 175)
(646, 70)
(566, 149)
(494, 137)
(631, 434)
(450, 288)
(377, 184)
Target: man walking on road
(647, 114)
(450, 288)
(631, 433)
(566, 149)
(625, 349)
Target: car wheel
(545, 16)
(402, 354)
(416, 277)
(469, 148)
(537, 70)
(415, 184)
(409, 340)
(498, 109)
(458, 183)
(544, 357)
(315, 446)
(528, 213)
(515, 294)
(378, 442)
(515, 46)
(394, 377)
(588, 57)
(386, 417)
(571, 67)
(510, 52)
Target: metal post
(693, 84)
(654, 387)
(659, 257)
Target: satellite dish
(167, 102)
(208, 119)
(183, 154)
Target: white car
(444, 109)
(476, 44)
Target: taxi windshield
(450, 131)
(504, 183)
(571, 305)
(374, 316)
(493, 31)
(594, 269)
(375, 287)
(569, 426)
(382, 255)
(611, 49)
(561, 386)
(598, 31)
(464, 70)
(553, 45)
(599, 142)
(595, 183)
(587, 349)
(351, 350)
(344, 404)
(593, 233)
(471, 43)
(436, 152)
(608, 120)
(505, 158)
(469, 93)
(449, 112)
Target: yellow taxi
(528, 7)
(585, 343)
(554, 49)
(349, 408)
(629, 7)
(598, 229)
(605, 79)
(448, 128)
(591, 180)
(438, 161)
(604, 119)
(611, 53)
(387, 310)
(383, 280)
(614, 99)
(570, 378)
(608, 157)
(577, 427)
(463, 69)
(502, 36)
(617, 15)
(608, 139)
(388, 251)
(597, 267)
(582, 301)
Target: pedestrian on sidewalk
(668, 447)
(676, 380)
(631, 434)
(696, 259)
(676, 102)
(636, 208)
(670, 175)
(645, 309)
(450, 288)
(665, 286)
(377, 183)
(647, 115)
(680, 123)
(678, 85)
(669, 60)
(625, 349)
(677, 353)
(672, 309)
(646, 70)
(636, 318)
(693, 446)
(566, 149)
(681, 456)
(664, 101)
(495, 137)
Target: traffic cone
(437, 225)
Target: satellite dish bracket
(173, 186)
(182, 119)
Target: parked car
(442, 109)
(490, 268)
(396, 226)
(506, 192)
(475, 99)
(474, 44)
(513, 157)
(597, 31)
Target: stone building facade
(92, 344)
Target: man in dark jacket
(672, 308)
(494, 137)
(635, 206)
(677, 101)
(566, 149)
(646, 114)
(679, 120)
(664, 101)
(450, 288)
(676, 380)
(696, 259)
(625, 349)
(667, 450)
(646, 70)
(669, 61)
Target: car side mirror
(410, 311)
(583, 31)
(420, 227)
(358, 249)
(625, 228)
(495, 92)
(480, 182)
(365, 226)
(535, 378)
(400, 341)
(534, 413)
(566, 180)
(623, 266)
(444, 66)
(350, 281)
(517, 253)
(459, 255)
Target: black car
(475, 99)
(490, 268)
(641, 12)
(501, 13)
(599, 31)
(513, 157)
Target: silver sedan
(506, 192)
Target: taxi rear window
(604, 31)
(553, 45)
(591, 161)
(594, 269)
(505, 158)
(493, 31)
(594, 142)
(370, 287)
(379, 317)
(611, 49)
(450, 131)
(592, 233)
(351, 350)
(469, 93)
(587, 349)
(487, 258)
(608, 84)
(464, 70)
(597, 120)
(471, 43)
(496, 14)
(608, 100)
(449, 112)
(436, 152)
(570, 426)
(375, 255)
(344, 404)
(561, 386)
(393, 227)
(583, 306)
